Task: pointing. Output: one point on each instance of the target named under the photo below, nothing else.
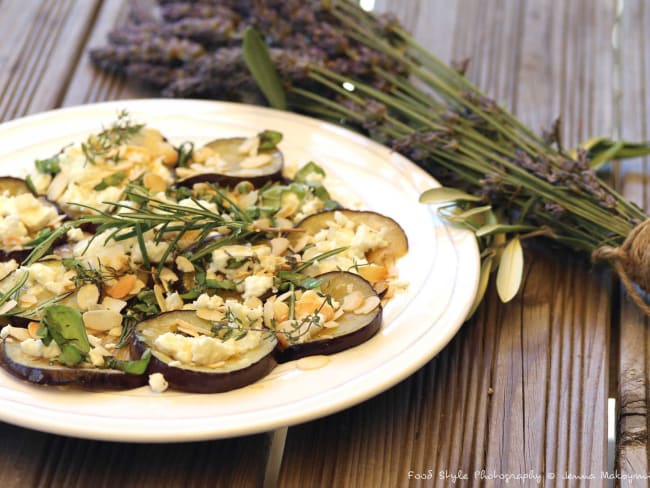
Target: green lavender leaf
(258, 61)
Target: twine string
(631, 261)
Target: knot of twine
(631, 260)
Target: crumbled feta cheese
(75, 234)
(158, 383)
(52, 277)
(256, 286)
(96, 357)
(32, 347)
(33, 212)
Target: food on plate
(195, 268)
(25, 218)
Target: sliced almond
(373, 272)
(122, 286)
(369, 304)
(87, 296)
(279, 245)
(209, 314)
(32, 328)
(183, 264)
(352, 301)
(102, 320)
(154, 183)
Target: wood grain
(634, 339)
(523, 387)
(41, 44)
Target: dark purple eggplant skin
(185, 379)
(230, 181)
(14, 320)
(53, 374)
(333, 345)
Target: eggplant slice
(234, 373)
(14, 187)
(353, 328)
(44, 372)
(236, 169)
(393, 232)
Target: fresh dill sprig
(104, 143)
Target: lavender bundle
(337, 62)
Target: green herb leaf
(309, 169)
(137, 366)
(447, 195)
(66, 327)
(492, 229)
(185, 152)
(511, 270)
(48, 166)
(259, 63)
(269, 139)
(111, 180)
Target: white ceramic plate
(441, 268)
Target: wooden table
(523, 388)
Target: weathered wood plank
(89, 84)
(634, 339)
(34, 459)
(523, 387)
(41, 45)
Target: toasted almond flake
(183, 264)
(109, 303)
(57, 186)
(115, 332)
(369, 304)
(253, 302)
(137, 287)
(209, 314)
(102, 320)
(154, 183)
(160, 297)
(190, 329)
(122, 286)
(167, 275)
(250, 146)
(167, 152)
(280, 311)
(18, 333)
(254, 162)
(352, 301)
(87, 296)
(27, 300)
(330, 324)
(373, 272)
(279, 245)
(201, 154)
